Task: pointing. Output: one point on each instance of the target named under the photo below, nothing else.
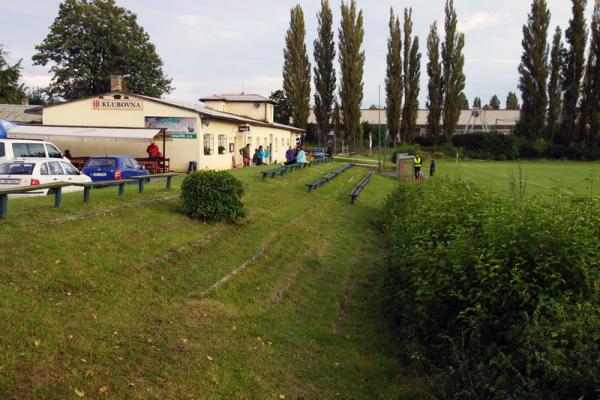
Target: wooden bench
(273, 172)
(327, 178)
(359, 188)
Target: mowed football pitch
(540, 177)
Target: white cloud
(192, 20)
(478, 21)
(36, 80)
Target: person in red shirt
(153, 151)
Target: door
(238, 145)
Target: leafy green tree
(352, 61)
(512, 101)
(93, 39)
(533, 71)
(495, 102)
(412, 76)
(590, 107)
(11, 91)
(576, 38)
(336, 119)
(325, 80)
(434, 87)
(296, 69)
(283, 110)
(477, 102)
(453, 79)
(393, 80)
(463, 102)
(555, 83)
(37, 96)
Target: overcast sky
(225, 46)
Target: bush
(212, 196)
(489, 145)
(497, 297)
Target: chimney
(24, 101)
(116, 83)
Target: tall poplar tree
(352, 61)
(555, 84)
(324, 71)
(393, 79)
(411, 80)
(463, 102)
(414, 79)
(408, 26)
(590, 107)
(453, 76)
(533, 71)
(512, 101)
(434, 87)
(576, 38)
(495, 102)
(477, 102)
(296, 69)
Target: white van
(16, 149)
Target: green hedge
(212, 196)
(495, 297)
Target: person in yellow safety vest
(417, 165)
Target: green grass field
(111, 299)
(541, 177)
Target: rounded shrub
(212, 196)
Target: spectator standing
(417, 165)
(245, 153)
(256, 160)
(267, 159)
(153, 151)
(261, 155)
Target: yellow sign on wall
(117, 105)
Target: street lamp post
(379, 129)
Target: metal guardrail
(87, 188)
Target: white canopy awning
(86, 133)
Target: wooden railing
(56, 188)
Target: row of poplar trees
(297, 71)
(445, 97)
(559, 88)
(402, 83)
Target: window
(127, 162)
(134, 164)
(222, 144)
(102, 162)
(69, 169)
(55, 168)
(29, 150)
(53, 152)
(17, 168)
(208, 144)
(44, 169)
(288, 143)
(2, 153)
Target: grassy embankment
(110, 298)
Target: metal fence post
(141, 185)
(86, 194)
(169, 182)
(121, 189)
(58, 197)
(3, 206)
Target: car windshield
(17, 168)
(102, 162)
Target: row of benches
(56, 189)
(282, 170)
(330, 176)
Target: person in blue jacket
(301, 157)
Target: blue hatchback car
(113, 168)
